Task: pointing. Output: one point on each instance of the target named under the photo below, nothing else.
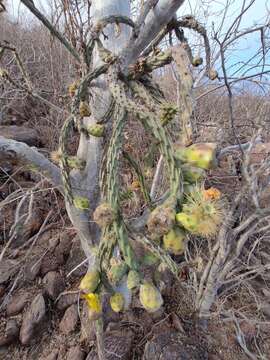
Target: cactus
(96, 130)
(72, 88)
(84, 109)
(168, 113)
(94, 305)
(213, 74)
(104, 215)
(133, 279)
(90, 281)
(117, 271)
(117, 302)
(197, 61)
(201, 155)
(201, 214)
(174, 241)
(150, 297)
(81, 203)
(161, 220)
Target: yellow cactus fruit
(84, 109)
(117, 302)
(94, 305)
(211, 194)
(133, 279)
(104, 215)
(150, 297)
(81, 203)
(135, 185)
(213, 74)
(192, 174)
(201, 215)
(96, 130)
(174, 241)
(116, 272)
(168, 112)
(75, 163)
(72, 88)
(188, 221)
(56, 156)
(201, 155)
(90, 281)
(148, 173)
(197, 61)
(161, 220)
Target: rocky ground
(42, 315)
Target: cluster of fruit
(199, 213)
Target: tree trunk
(91, 149)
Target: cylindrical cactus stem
(63, 140)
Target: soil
(43, 317)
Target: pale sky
(209, 13)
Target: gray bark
(17, 150)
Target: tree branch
(25, 153)
(31, 7)
(157, 18)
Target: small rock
(32, 269)
(172, 346)
(7, 269)
(2, 291)
(54, 284)
(20, 133)
(17, 303)
(266, 293)
(11, 333)
(51, 262)
(75, 353)
(117, 344)
(66, 300)
(64, 246)
(69, 320)
(75, 258)
(27, 228)
(265, 308)
(53, 355)
(33, 320)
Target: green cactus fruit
(116, 272)
(197, 61)
(149, 259)
(117, 302)
(150, 297)
(174, 241)
(161, 220)
(188, 221)
(96, 130)
(104, 215)
(133, 279)
(192, 174)
(75, 163)
(90, 281)
(84, 109)
(188, 188)
(201, 155)
(81, 203)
